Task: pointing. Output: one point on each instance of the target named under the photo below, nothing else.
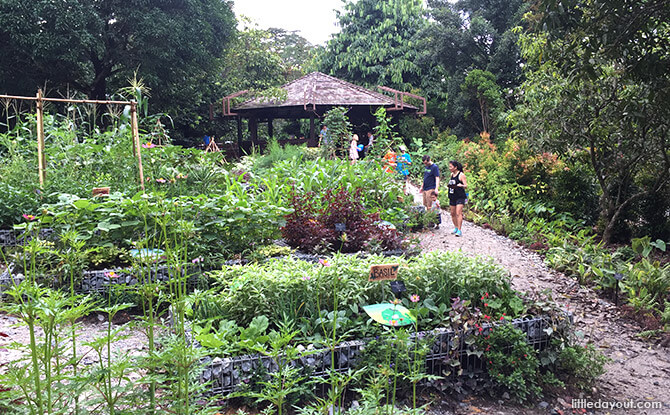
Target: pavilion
(310, 97)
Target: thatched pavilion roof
(318, 90)
(310, 97)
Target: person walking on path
(431, 180)
(457, 184)
(402, 162)
(353, 149)
(389, 161)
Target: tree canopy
(94, 46)
(472, 35)
(378, 44)
(586, 95)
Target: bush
(288, 287)
(512, 363)
(312, 225)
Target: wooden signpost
(100, 191)
(384, 272)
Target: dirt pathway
(639, 371)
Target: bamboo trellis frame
(39, 101)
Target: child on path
(403, 161)
(353, 149)
(431, 180)
(389, 160)
(435, 207)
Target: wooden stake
(136, 141)
(41, 159)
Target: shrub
(312, 225)
(288, 287)
(511, 362)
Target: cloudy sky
(314, 19)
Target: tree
(296, 53)
(378, 44)
(612, 118)
(600, 84)
(585, 33)
(339, 133)
(480, 86)
(95, 46)
(468, 35)
(251, 62)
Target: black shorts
(454, 202)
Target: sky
(314, 19)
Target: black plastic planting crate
(16, 237)
(102, 281)
(225, 375)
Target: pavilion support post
(239, 136)
(271, 129)
(253, 130)
(312, 131)
(41, 158)
(136, 141)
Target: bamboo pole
(73, 101)
(136, 141)
(41, 159)
(40, 100)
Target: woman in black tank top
(457, 184)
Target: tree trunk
(99, 89)
(614, 212)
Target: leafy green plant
(46, 377)
(511, 362)
(339, 133)
(286, 382)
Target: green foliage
(94, 48)
(377, 44)
(320, 175)
(275, 153)
(619, 87)
(512, 363)
(299, 290)
(580, 366)
(480, 86)
(534, 198)
(626, 171)
(627, 31)
(466, 36)
(296, 53)
(385, 135)
(286, 383)
(338, 135)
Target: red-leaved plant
(312, 224)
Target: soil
(639, 370)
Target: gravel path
(639, 371)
